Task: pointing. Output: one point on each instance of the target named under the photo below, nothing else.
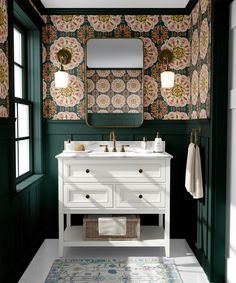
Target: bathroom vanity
(114, 183)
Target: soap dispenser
(68, 146)
(158, 144)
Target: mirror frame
(111, 117)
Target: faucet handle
(123, 147)
(106, 147)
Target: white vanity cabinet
(137, 184)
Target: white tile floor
(188, 266)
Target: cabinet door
(140, 195)
(88, 195)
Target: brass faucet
(113, 138)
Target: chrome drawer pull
(87, 170)
(87, 196)
(140, 170)
(140, 196)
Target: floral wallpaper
(175, 32)
(114, 91)
(4, 81)
(157, 32)
(200, 67)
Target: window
(23, 107)
(25, 69)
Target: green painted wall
(21, 226)
(24, 216)
(174, 132)
(190, 219)
(21, 231)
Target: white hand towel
(112, 226)
(198, 191)
(190, 170)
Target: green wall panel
(174, 132)
(20, 215)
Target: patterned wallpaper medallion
(174, 32)
(4, 81)
(199, 71)
(114, 91)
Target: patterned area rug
(117, 270)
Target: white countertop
(93, 150)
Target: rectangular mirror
(114, 83)
(115, 53)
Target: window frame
(23, 101)
(29, 138)
(26, 16)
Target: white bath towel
(112, 226)
(190, 169)
(198, 186)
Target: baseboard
(204, 262)
(21, 266)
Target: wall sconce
(61, 76)
(167, 77)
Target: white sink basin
(112, 154)
(135, 153)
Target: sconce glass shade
(167, 79)
(61, 79)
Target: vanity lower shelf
(151, 236)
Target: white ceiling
(115, 3)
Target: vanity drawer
(88, 195)
(140, 195)
(144, 171)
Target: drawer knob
(140, 196)
(87, 196)
(87, 170)
(140, 170)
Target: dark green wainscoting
(204, 219)
(195, 220)
(25, 215)
(184, 219)
(21, 229)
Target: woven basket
(90, 228)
